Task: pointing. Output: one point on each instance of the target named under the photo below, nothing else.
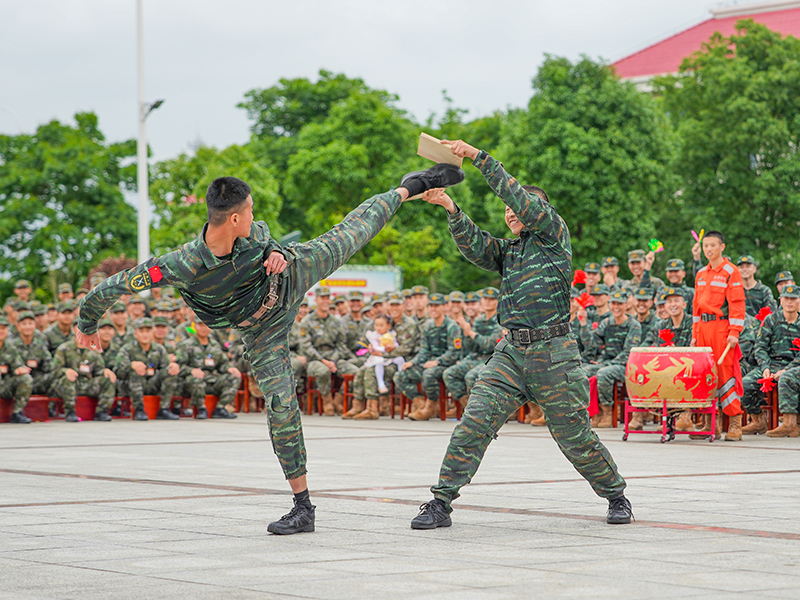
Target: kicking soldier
(222, 276)
(538, 360)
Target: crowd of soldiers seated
(426, 347)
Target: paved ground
(178, 510)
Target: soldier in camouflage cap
(593, 274)
(341, 305)
(782, 279)
(660, 303)
(640, 265)
(419, 299)
(22, 289)
(644, 310)
(676, 275)
(756, 294)
(15, 379)
(65, 292)
(539, 360)
(32, 346)
(610, 269)
(40, 315)
(60, 331)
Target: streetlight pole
(141, 148)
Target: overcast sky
(60, 57)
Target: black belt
(267, 303)
(711, 317)
(525, 337)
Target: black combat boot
(619, 511)
(71, 417)
(18, 417)
(431, 515)
(438, 176)
(299, 519)
(221, 413)
(140, 415)
(165, 413)
(202, 413)
(102, 415)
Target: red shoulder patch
(155, 274)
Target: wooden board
(431, 148)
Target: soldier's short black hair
(532, 189)
(224, 196)
(715, 234)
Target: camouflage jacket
(55, 337)
(36, 355)
(323, 338)
(682, 335)
(585, 333)
(407, 338)
(774, 343)
(155, 358)
(354, 331)
(110, 354)
(536, 267)
(124, 338)
(488, 331)
(10, 359)
(222, 291)
(211, 358)
(757, 298)
(647, 281)
(442, 343)
(648, 324)
(688, 294)
(88, 363)
(747, 342)
(612, 343)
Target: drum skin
(684, 377)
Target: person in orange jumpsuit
(717, 319)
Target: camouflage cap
(339, 299)
(599, 290)
(745, 259)
(366, 308)
(619, 296)
(609, 261)
(490, 292)
(143, 323)
(355, 295)
(660, 299)
(592, 267)
(64, 287)
(675, 264)
(457, 297)
(436, 299)
(66, 305)
(472, 297)
(21, 305)
(407, 292)
(322, 292)
(159, 321)
(84, 290)
(784, 276)
(25, 314)
(304, 302)
(104, 322)
(419, 289)
(136, 299)
(671, 291)
(40, 309)
(3, 320)
(643, 293)
(636, 255)
(22, 283)
(790, 291)
(396, 298)
(447, 297)
(118, 307)
(97, 278)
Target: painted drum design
(684, 377)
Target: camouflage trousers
(789, 391)
(96, 387)
(406, 381)
(471, 378)
(193, 388)
(455, 377)
(17, 387)
(41, 383)
(607, 375)
(138, 386)
(323, 378)
(549, 374)
(370, 379)
(753, 397)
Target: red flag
(762, 314)
(667, 336)
(767, 384)
(585, 300)
(155, 274)
(595, 325)
(580, 277)
(796, 344)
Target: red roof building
(666, 56)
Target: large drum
(685, 377)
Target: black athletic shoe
(438, 176)
(221, 413)
(202, 413)
(299, 519)
(18, 417)
(164, 413)
(102, 415)
(71, 417)
(431, 515)
(116, 411)
(140, 415)
(619, 511)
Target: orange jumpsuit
(719, 295)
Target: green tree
(61, 202)
(599, 148)
(179, 187)
(736, 108)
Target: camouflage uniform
(682, 335)
(408, 334)
(89, 365)
(298, 366)
(212, 359)
(476, 352)
(354, 332)
(56, 337)
(774, 351)
(534, 293)
(229, 292)
(747, 343)
(611, 346)
(156, 381)
(13, 386)
(442, 344)
(324, 339)
(38, 359)
(759, 297)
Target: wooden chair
(312, 393)
(348, 382)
